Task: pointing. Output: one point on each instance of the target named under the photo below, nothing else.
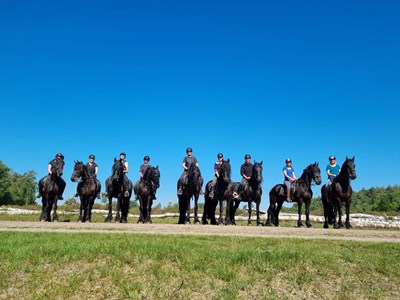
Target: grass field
(136, 266)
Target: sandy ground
(392, 236)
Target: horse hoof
(326, 226)
(268, 224)
(107, 220)
(348, 226)
(260, 224)
(309, 225)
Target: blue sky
(291, 79)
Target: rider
(58, 157)
(217, 171)
(93, 170)
(142, 170)
(289, 177)
(332, 170)
(187, 161)
(126, 183)
(246, 171)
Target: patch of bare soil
(392, 236)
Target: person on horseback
(122, 158)
(246, 171)
(142, 170)
(289, 177)
(93, 169)
(187, 161)
(332, 170)
(58, 157)
(217, 171)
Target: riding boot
(98, 195)
(179, 189)
(288, 197)
(211, 195)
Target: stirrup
(126, 194)
(211, 195)
(180, 192)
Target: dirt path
(249, 231)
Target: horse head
(57, 168)
(117, 170)
(155, 174)
(226, 171)
(350, 167)
(194, 174)
(79, 171)
(315, 173)
(257, 172)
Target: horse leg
(44, 205)
(148, 210)
(55, 216)
(340, 215)
(259, 223)
(307, 205)
(270, 213)
(141, 214)
(348, 225)
(80, 210)
(182, 209)
(276, 212)
(326, 215)
(118, 208)
(109, 216)
(90, 208)
(299, 208)
(335, 214)
(205, 212)
(221, 212)
(249, 206)
(196, 209)
(187, 218)
(235, 207)
(228, 217)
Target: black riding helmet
(220, 155)
(59, 155)
(332, 157)
(122, 153)
(189, 150)
(146, 158)
(288, 160)
(92, 156)
(247, 156)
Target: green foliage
(377, 199)
(16, 189)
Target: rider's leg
(62, 188)
(287, 184)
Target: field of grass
(136, 266)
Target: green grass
(136, 266)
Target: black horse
(223, 192)
(301, 193)
(50, 188)
(339, 192)
(191, 189)
(115, 189)
(144, 192)
(87, 190)
(251, 193)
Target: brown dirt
(392, 236)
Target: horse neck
(344, 177)
(305, 177)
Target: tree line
(16, 189)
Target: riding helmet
(92, 156)
(220, 155)
(60, 155)
(247, 156)
(122, 153)
(288, 160)
(146, 158)
(332, 157)
(189, 150)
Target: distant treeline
(16, 189)
(376, 199)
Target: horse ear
(261, 162)
(229, 160)
(317, 163)
(115, 159)
(157, 167)
(353, 158)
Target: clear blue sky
(275, 79)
